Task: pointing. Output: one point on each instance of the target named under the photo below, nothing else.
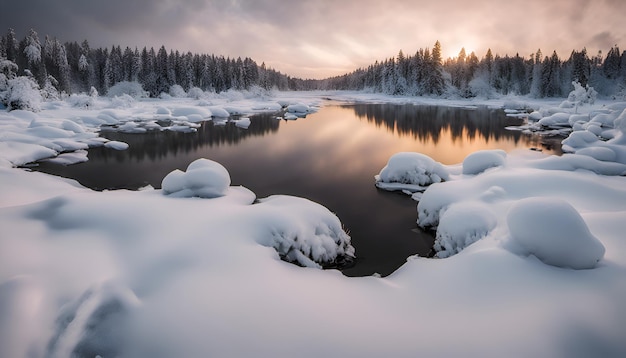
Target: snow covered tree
(11, 46)
(537, 68)
(435, 83)
(550, 76)
(611, 65)
(581, 96)
(31, 48)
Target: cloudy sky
(321, 38)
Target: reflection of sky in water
(329, 157)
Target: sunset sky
(321, 38)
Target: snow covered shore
(144, 274)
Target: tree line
(466, 75)
(73, 67)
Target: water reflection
(427, 123)
(156, 144)
(329, 157)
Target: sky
(323, 38)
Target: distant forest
(73, 68)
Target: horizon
(294, 37)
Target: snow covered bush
(554, 232)
(49, 92)
(461, 225)
(195, 93)
(8, 70)
(479, 87)
(411, 168)
(580, 96)
(177, 91)
(204, 178)
(133, 89)
(304, 232)
(482, 160)
(23, 93)
(81, 100)
(123, 101)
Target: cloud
(318, 38)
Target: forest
(64, 68)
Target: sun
(453, 49)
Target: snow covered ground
(533, 253)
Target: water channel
(329, 157)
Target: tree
(612, 63)
(535, 85)
(435, 83)
(550, 76)
(11, 46)
(31, 48)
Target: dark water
(329, 157)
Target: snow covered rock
(482, 160)
(554, 232)
(461, 225)
(413, 170)
(204, 178)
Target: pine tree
(612, 63)
(31, 48)
(535, 86)
(435, 83)
(11, 46)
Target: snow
(243, 122)
(204, 178)
(171, 273)
(554, 232)
(461, 225)
(117, 145)
(482, 160)
(411, 171)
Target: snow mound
(554, 232)
(243, 122)
(299, 108)
(193, 112)
(204, 178)
(116, 145)
(461, 225)
(482, 160)
(412, 170)
(556, 120)
(219, 112)
(304, 232)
